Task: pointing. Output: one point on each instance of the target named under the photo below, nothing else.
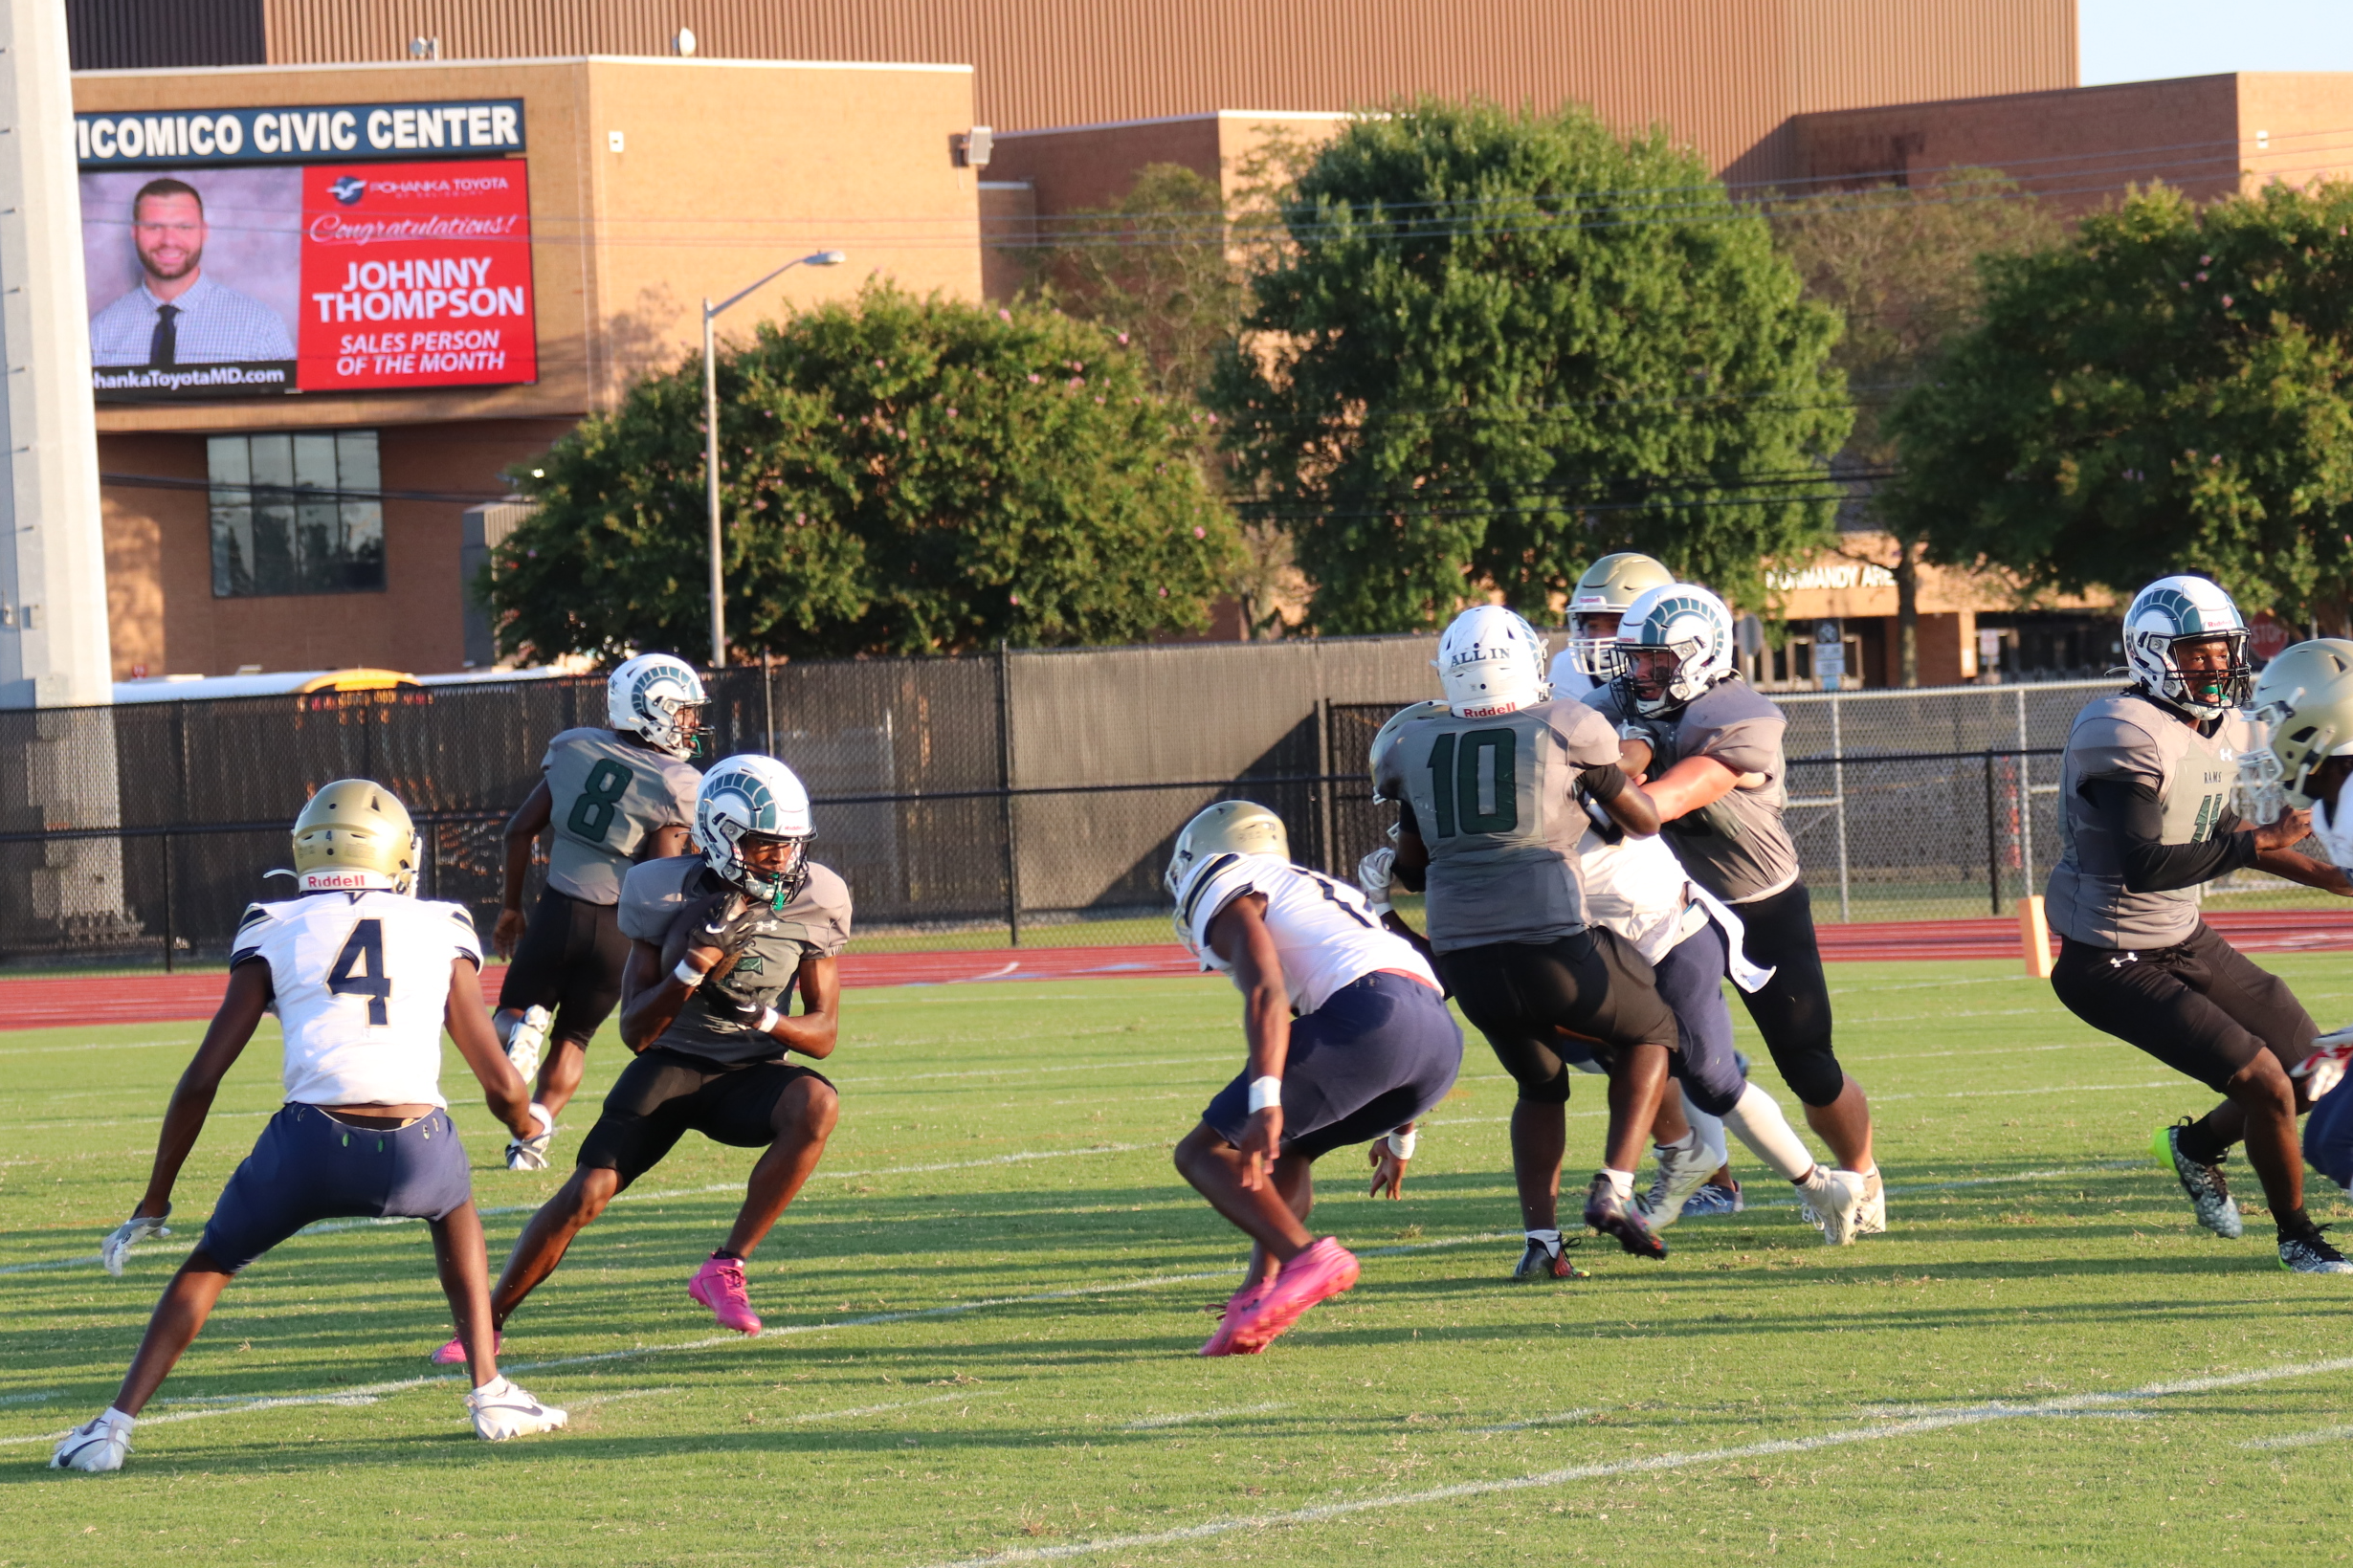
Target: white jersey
(1568, 682)
(1638, 889)
(1324, 933)
(360, 982)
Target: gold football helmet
(2303, 702)
(1608, 587)
(355, 834)
(1228, 827)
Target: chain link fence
(1030, 797)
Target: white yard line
(1561, 1420)
(368, 1392)
(1153, 1423)
(328, 1227)
(2301, 1439)
(99, 1045)
(1878, 1432)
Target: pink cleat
(1221, 1343)
(454, 1353)
(1324, 1269)
(718, 1285)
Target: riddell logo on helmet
(339, 881)
(1494, 710)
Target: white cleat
(96, 1445)
(1872, 1220)
(528, 1039)
(1834, 1202)
(529, 1153)
(1682, 1172)
(501, 1410)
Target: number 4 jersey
(360, 983)
(606, 795)
(1495, 800)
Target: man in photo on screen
(177, 315)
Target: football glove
(1374, 874)
(730, 924)
(729, 1006)
(139, 1228)
(2325, 1067)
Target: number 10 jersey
(1495, 800)
(359, 981)
(606, 795)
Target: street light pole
(710, 435)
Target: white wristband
(1264, 1092)
(769, 1017)
(1402, 1144)
(687, 975)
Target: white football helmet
(1490, 661)
(1608, 587)
(658, 698)
(1695, 624)
(2186, 609)
(746, 799)
(1388, 737)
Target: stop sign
(2266, 637)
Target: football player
(2155, 780)
(1349, 1040)
(718, 943)
(1489, 818)
(363, 977)
(615, 797)
(1707, 748)
(1634, 886)
(1595, 606)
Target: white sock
(1621, 1183)
(116, 1418)
(1711, 1129)
(1688, 1143)
(1758, 1122)
(1551, 1240)
(1868, 1168)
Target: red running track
(29, 1004)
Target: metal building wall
(135, 34)
(1723, 74)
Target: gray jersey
(1495, 800)
(816, 925)
(607, 795)
(2132, 740)
(1736, 847)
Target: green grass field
(982, 1313)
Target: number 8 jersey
(606, 795)
(1495, 800)
(359, 981)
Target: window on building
(296, 514)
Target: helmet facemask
(2207, 693)
(1594, 651)
(675, 725)
(767, 868)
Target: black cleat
(2209, 1195)
(2312, 1254)
(1540, 1262)
(1614, 1216)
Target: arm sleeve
(2129, 811)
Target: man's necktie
(164, 347)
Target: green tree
(1900, 265)
(1497, 346)
(2169, 390)
(900, 476)
(1160, 269)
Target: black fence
(969, 802)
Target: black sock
(2297, 1226)
(731, 1258)
(2200, 1146)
